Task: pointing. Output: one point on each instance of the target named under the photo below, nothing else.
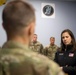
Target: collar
(69, 47)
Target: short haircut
(52, 37)
(16, 15)
(35, 34)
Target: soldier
(51, 49)
(0, 48)
(15, 57)
(36, 45)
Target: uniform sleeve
(41, 49)
(45, 51)
(44, 66)
(56, 59)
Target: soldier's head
(18, 19)
(52, 40)
(34, 37)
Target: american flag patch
(71, 54)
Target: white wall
(2, 32)
(65, 17)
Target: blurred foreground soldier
(36, 45)
(51, 49)
(16, 59)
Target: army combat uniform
(16, 59)
(50, 51)
(37, 47)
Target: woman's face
(66, 38)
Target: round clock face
(48, 10)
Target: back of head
(16, 15)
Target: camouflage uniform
(0, 48)
(50, 51)
(37, 47)
(16, 59)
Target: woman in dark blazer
(66, 55)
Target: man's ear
(31, 29)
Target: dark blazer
(67, 60)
